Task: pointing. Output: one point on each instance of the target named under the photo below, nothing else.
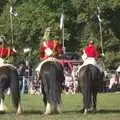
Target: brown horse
(90, 81)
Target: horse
(90, 80)
(52, 79)
(9, 79)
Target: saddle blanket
(88, 61)
(38, 69)
(8, 65)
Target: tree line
(81, 24)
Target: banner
(12, 12)
(61, 21)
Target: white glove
(103, 54)
(14, 50)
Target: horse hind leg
(85, 111)
(19, 109)
(94, 102)
(52, 108)
(57, 109)
(49, 108)
(15, 93)
(85, 108)
(85, 103)
(3, 107)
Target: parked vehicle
(70, 56)
(70, 59)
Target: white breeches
(38, 69)
(90, 60)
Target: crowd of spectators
(29, 82)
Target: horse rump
(52, 77)
(9, 79)
(89, 82)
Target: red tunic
(91, 51)
(6, 52)
(54, 45)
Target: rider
(90, 55)
(50, 47)
(49, 51)
(5, 51)
(91, 50)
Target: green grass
(108, 108)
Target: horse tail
(54, 90)
(15, 91)
(88, 87)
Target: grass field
(108, 108)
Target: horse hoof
(3, 109)
(2, 112)
(19, 113)
(94, 111)
(19, 110)
(47, 113)
(58, 112)
(85, 112)
(82, 110)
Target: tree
(81, 24)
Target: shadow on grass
(73, 111)
(102, 111)
(27, 112)
(38, 112)
(106, 111)
(33, 112)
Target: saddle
(38, 69)
(89, 61)
(2, 64)
(7, 65)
